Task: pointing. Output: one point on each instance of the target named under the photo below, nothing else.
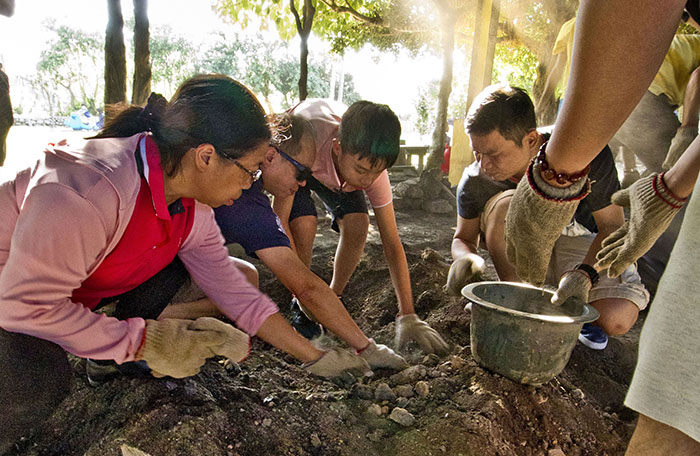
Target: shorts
(338, 204)
(568, 253)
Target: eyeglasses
(303, 173)
(254, 175)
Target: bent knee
(617, 316)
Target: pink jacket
(63, 217)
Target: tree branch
(376, 20)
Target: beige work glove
(679, 143)
(537, 214)
(574, 283)
(179, 348)
(411, 328)
(381, 356)
(335, 362)
(652, 208)
(463, 270)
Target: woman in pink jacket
(106, 222)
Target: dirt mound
(269, 406)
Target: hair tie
(152, 112)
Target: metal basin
(518, 333)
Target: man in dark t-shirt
(503, 132)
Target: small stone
(443, 449)
(577, 394)
(430, 360)
(384, 393)
(445, 367)
(385, 409)
(266, 422)
(402, 402)
(409, 375)
(404, 391)
(375, 409)
(456, 362)
(315, 440)
(434, 373)
(361, 391)
(402, 416)
(556, 452)
(422, 388)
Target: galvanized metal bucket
(517, 332)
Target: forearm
(461, 247)
(276, 331)
(602, 92)
(325, 306)
(681, 178)
(691, 100)
(400, 277)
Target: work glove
(381, 356)
(179, 348)
(652, 208)
(537, 214)
(335, 362)
(410, 327)
(679, 143)
(462, 271)
(574, 283)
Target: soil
(269, 406)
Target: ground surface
(269, 406)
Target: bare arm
(313, 293)
(396, 257)
(276, 331)
(466, 238)
(283, 208)
(681, 178)
(607, 220)
(602, 92)
(691, 100)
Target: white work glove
(381, 356)
(574, 283)
(537, 214)
(179, 348)
(462, 271)
(335, 362)
(679, 143)
(411, 328)
(652, 208)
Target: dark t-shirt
(251, 222)
(476, 188)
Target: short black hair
(500, 107)
(372, 131)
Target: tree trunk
(142, 54)
(115, 55)
(447, 39)
(303, 25)
(546, 109)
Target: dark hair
(502, 108)
(209, 108)
(371, 131)
(289, 130)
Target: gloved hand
(574, 283)
(381, 356)
(679, 143)
(410, 327)
(462, 271)
(334, 362)
(537, 214)
(652, 208)
(179, 348)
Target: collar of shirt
(148, 164)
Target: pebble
(434, 373)
(404, 391)
(430, 360)
(361, 391)
(577, 394)
(456, 362)
(410, 375)
(555, 452)
(422, 388)
(384, 393)
(315, 440)
(266, 422)
(385, 410)
(402, 416)
(375, 409)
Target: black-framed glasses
(254, 175)
(303, 173)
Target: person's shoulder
(320, 107)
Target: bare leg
(652, 438)
(304, 233)
(353, 234)
(616, 315)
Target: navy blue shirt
(251, 222)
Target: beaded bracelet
(549, 173)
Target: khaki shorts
(569, 251)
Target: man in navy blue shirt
(252, 223)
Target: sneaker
(593, 337)
(103, 370)
(302, 323)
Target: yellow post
(461, 155)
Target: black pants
(35, 375)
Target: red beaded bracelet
(549, 173)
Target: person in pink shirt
(352, 156)
(103, 221)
